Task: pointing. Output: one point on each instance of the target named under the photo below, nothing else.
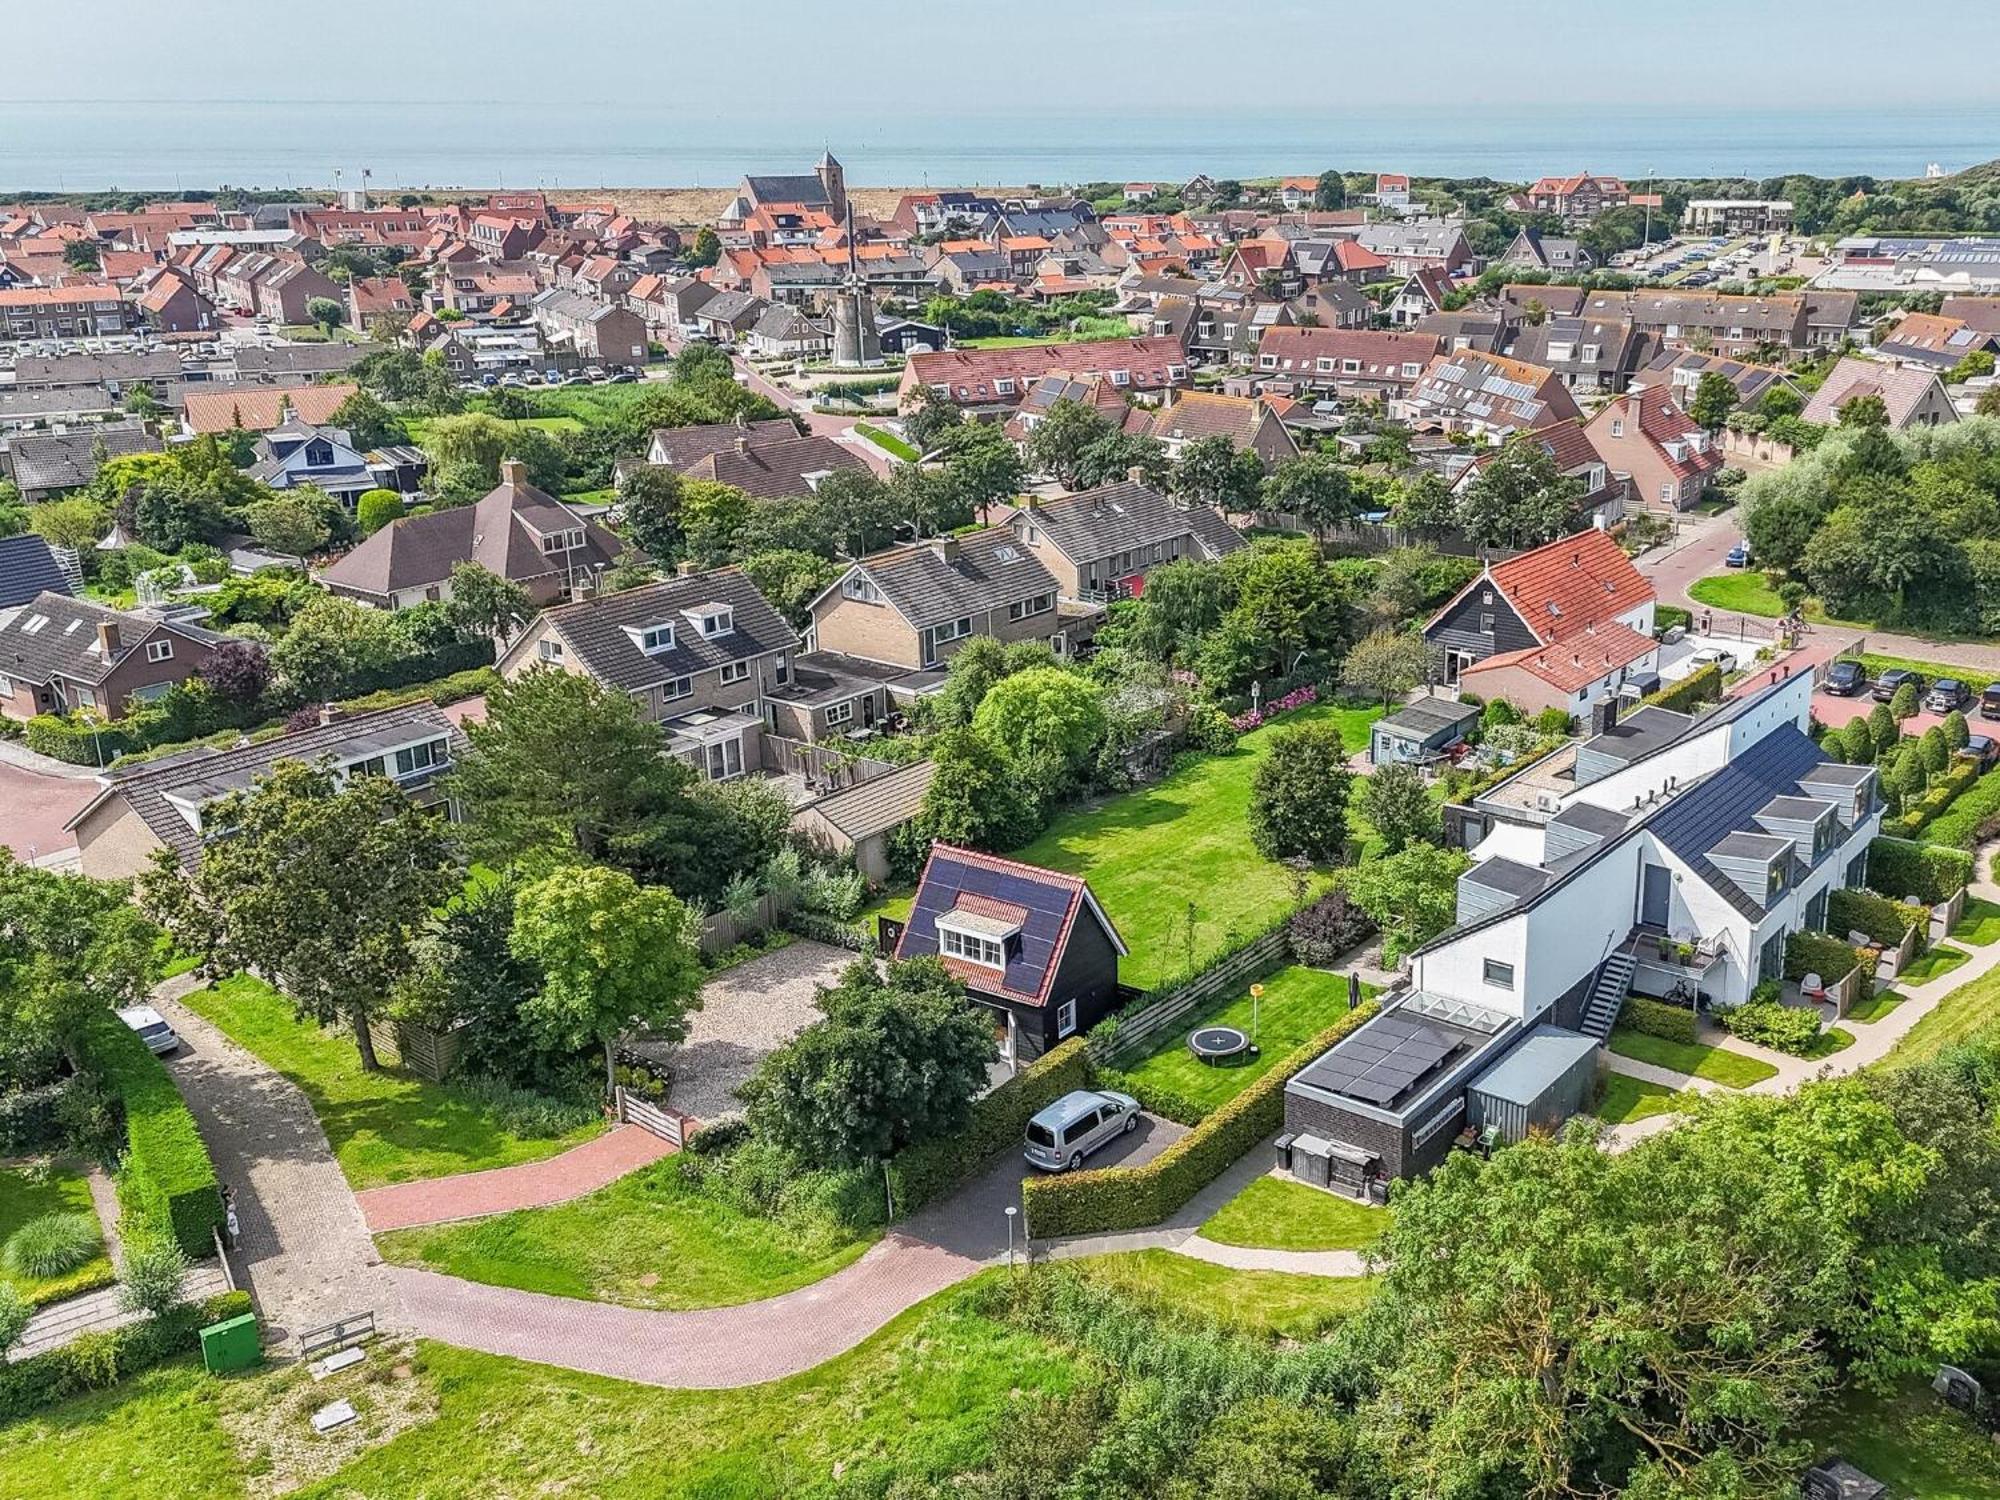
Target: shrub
(1692, 691)
(97, 1361)
(52, 1245)
(1209, 730)
(1657, 1018)
(1818, 953)
(1883, 920)
(15, 1313)
(1929, 873)
(1329, 927)
(721, 1137)
(524, 1112)
(1552, 721)
(31, 1119)
(1113, 1198)
(167, 1188)
(154, 1271)
(927, 1172)
(1783, 1028)
(1497, 713)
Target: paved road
(820, 424)
(535, 1184)
(304, 1249)
(34, 806)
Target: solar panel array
(1047, 905)
(1384, 1061)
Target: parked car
(1889, 681)
(1989, 702)
(1739, 556)
(1982, 750)
(1846, 679)
(152, 1027)
(623, 377)
(1946, 695)
(1062, 1135)
(1711, 656)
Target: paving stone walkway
(98, 1311)
(1338, 1263)
(536, 1184)
(305, 1253)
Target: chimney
(944, 549)
(1137, 473)
(685, 568)
(514, 474)
(327, 714)
(107, 638)
(1604, 714)
(742, 443)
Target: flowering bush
(1296, 698)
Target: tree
(333, 645)
(1412, 894)
(1214, 472)
(791, 580)
(1120, 456)
(1781, 400)
(860, 513)
(1424, 504)
(1184, 600)
(314, 882)
(1399, 807)
(1975, 366)
(1314, 488)
(154, 1272)
(1904, 703)
(1780, 527)
(465, 451)
(1869, 413)
(1956, 730)
(1388, 662)
(712, 515)
(82, 255)
(649, 506)
(983, 470)
(1988, 404)
(1934, 751)
(969, 676)
(326, 312)
(1299, 796)
(929, 418)
(1714, 399)
(238, 671)
(483, 604)
(1060, 439)
(706, 249)
(1049, 722)
(1883, 727)
(70, 948)
(1519, 498)
(289, 524)
(1330, 192)
(975, 797)
(142, 403)
(894, 1061)
(1904, 777)
(76, 523)
(368, 421)
(612, 955)
(376, 509)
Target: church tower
(833, 179)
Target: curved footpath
(596, 1163)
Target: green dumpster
(233, 1344)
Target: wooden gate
(669, 1125)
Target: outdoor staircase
(1614, 978)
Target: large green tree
(70, 947)
(1519, 498)
(1400, 808)
(1050, 722)
(1387, 663)
(976, 796)
(485, 604)
(613, 955)
(1299, 796)
(1412, 894)
(1315, 488)
(314, 882)
(1213, 471)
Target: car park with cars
(1887, 684)
(1846, 679)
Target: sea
(78, 145)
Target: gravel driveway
(747, 1012)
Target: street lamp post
(1011, 1212)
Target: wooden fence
(418, 1049)
(1169, 1011)
(824, 769)
(669, 1125)
(720, 931)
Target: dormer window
(562, 541)
(713, 621)
(652, 639)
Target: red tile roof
(971, 373)
(259, 408)
(1564, 589)
(1575, 663)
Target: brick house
(59, 653)
(1648, 436)
(1488, 396)
(1577, 199)
(1248, 422)
(602, 332)
(996, 379)
(1101, 543)
(1350, 361)
(64, 312)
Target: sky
(844, 59)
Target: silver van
(1061, 1136)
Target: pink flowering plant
(1296, 698)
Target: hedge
(1947, 789)
(1790, 1029)
(1132, 1197)
(1929, 873)
(1667, 616)
(1883, 920)
(1657, 1018)
(167, 1186)
(29, 1117)
(98, 1361)
(1818, 953)
(1691, 692)
(925, 1173)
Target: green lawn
(888, 442)
(1624, 1098)
(1269, 1304)
(58, 1193)
(648, 1240)
(1297, 1004)
(1833, 1039)
(419, 428)
(1933, 964)
(920, 1399)
(1184, 842)
(1978, 923)
(1912, 1442)
(385, 1126)
(1876, 1006)
(590, 405)
(1275, 1214)
(1731, 1069)
(1744, 592)
(1961, 1016)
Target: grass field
(1935, 963)
(1297, 1004)
(59, 1193)
(384, 1127)
(888, 442)
(1268, 1304)
(1962, 1015)
(1274, 1214)
(921, 1398)
(1731, 1069)
(648, 1240)
(1745, 592)
(587, 404)
(1978, 923)
(1087, 328)
(1876, 1006)
(1912, 1442)
(1624, 1098)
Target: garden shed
(1420, 731)
(1537, 1086)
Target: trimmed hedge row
(925, 1173)
(1693, 690)
(98, 1361)
(1818, 953)
(1667, 616)
(1133, 1197)
(167, 1186)
(1886, 921)
(1657, 1018)
(1946, 790)
(1929, 873)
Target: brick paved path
(305, 1251)
(705, 1350)
(99, 1312)
(534, 1184)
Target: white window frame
(160, 650)
(860, 588)
(973, 947)
(839, 713)
(654, 639)
(549, 650)
(733, 671)
(1065, 1018)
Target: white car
(152, 1028)
(1711, 656)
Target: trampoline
(1213, 1044)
